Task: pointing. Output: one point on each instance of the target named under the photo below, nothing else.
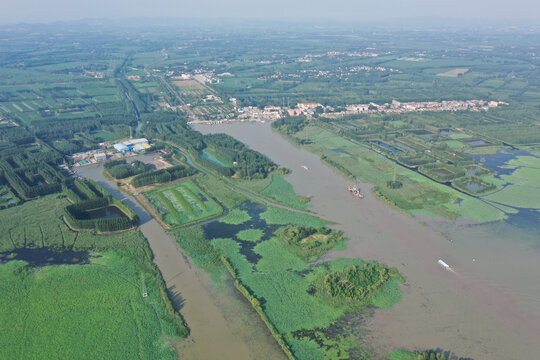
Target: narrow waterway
(222, 324)
(489, 308)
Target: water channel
(489, 308)
(222, 324)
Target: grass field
(91, 310)
(47, 314)
(215, 158)
(183, 203)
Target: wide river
(222, 324)
(487, 308)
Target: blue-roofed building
(120, 147)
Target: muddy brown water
(488, 308)
(222, 324)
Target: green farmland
(183, 203)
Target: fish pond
(109, 212)
(386, 146)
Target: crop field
(183, 203)
(214, 111)
(187, 85)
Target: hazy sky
(52, 10)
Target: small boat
(444, 265)
(355, 191)
(305, 167)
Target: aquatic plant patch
(282, 191)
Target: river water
(222, 324)
(487, 308)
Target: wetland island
(171, 191)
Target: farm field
(183, 203)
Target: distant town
(310, 109)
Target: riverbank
(473, 313)
(221, 324)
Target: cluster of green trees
(16, 135)
(290, 125)
(76, 214)
(120, 169)
(356, 282)
(29, 176)
(162, 176)
(308, 242)
(173, 128)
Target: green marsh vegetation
(356, 284)
(47, 312)
(278, 281)
(282, 191)
(422, 355)
(253, 235)
(418, 193)
(235, 217)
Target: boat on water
(305, 167)
(355, 191)
(443, 264)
